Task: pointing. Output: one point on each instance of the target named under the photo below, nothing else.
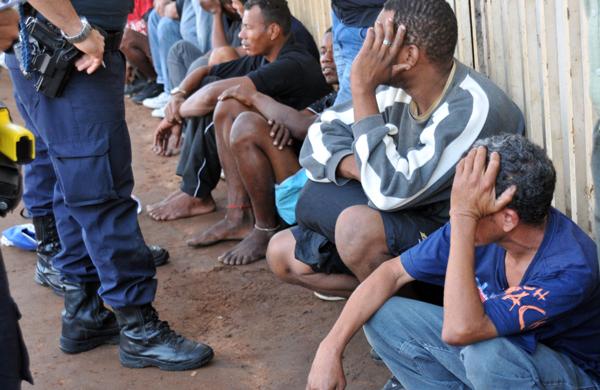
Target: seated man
(521, 298)
(380, 172)
(262, 148)
(275, 66)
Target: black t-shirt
(110, 15)
(294, 78)
(357, 13)
(322, 104)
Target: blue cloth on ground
(20, 236)
(286, 195)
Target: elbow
(457, 336)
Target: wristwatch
(86, 29)
(177, 90)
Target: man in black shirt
(275, 66)
(263, 143)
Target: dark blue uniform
(85, 151)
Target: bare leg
(181, 205)
(238, 221)
(136, 49)
(260, 164)
(360, 240)
(281, 260)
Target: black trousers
(14, 360)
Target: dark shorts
(319, 207)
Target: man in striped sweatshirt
(381, 165)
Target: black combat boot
(48, 247)
(148, 341)
(86, 323)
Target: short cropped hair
(527, 166)
(273, 11)
(430, 25)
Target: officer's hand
(9, 28)
(163, 133)
(93, 53)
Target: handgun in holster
(17, 146)
(52, 57)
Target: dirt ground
(264, 332)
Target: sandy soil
(264, 332)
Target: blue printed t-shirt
(557, 302)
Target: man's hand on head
(474, 189)
(9, 28)
(376, 62)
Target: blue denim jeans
(406, 334)
(162, 34)
(347, 42)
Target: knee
(246, 129)
(356, 233)
(126, 42)
(166, 28)
(279, 254)
(226, 109)
(222, 54)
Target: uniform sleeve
(427, 261)
(538, 301)
(393, 180)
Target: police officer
(103, 257)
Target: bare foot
(182, 205)
(251, 249)
(152, 206)
(235, 226)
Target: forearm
(193, 81)
(296, 121)
(60, 13)
(368, 297)
(364, 103)
(464, 316)
(218, 32)
(347, 168)
(206, 98)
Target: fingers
(505, 198)
(379, 36)
(285, 138)
(388, 36)
(479, 160)
(369, 39)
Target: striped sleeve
(393, 180)
(330, 138)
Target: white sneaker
(159, 112)
(158, 101)
(328, 298)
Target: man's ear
(510, 219)
(274, 31)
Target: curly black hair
(525, 165)
(430, 25)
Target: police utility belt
(51, 57)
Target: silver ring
(386, 42)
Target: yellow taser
(16, 142)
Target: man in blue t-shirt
(521, 299)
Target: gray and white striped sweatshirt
(405, 161)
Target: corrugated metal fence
(538, 52)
